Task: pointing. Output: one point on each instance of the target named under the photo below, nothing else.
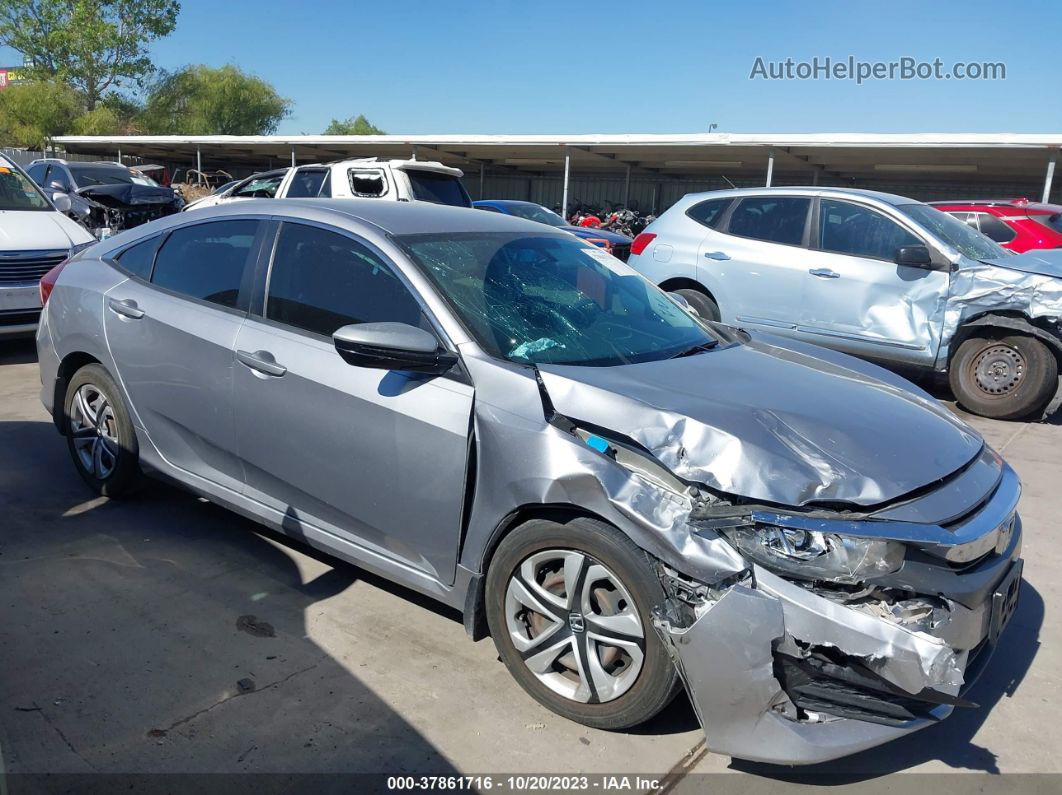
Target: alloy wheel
(94, 431)
(575, 625)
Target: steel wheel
(94, 431)
(998, 369)
(575, 625)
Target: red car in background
(1016, 224)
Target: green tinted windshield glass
(554, 299)
(17, 192)
(966, 240)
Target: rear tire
(99, 433)
(613, 584)
(702, 304)
(1004, 377)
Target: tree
(31, 113)
(358, 125)
(93, 45)
(198, 100)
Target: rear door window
(310, 183)
(775, 219)
(438, 188)
(859, 231)
(206, 261)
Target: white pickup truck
(364, 178)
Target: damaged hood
(773, 422)
(1045, 262)
(129, 193)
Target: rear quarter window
(138, 259)
(709, 213)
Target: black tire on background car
(704, 306)
(1005, 377)
(566, 598)
(100, 434)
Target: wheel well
(475, 617)
(1006, 323)
(682, 283)
(70, 364)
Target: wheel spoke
(528, 596)
(623, 627)
(88, 417)
(575, 568)
(97, 458)
(587, 689)
(542, 662)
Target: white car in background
(362, 178)
(35, 236)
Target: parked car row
(627, 497)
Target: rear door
(171, 328)
(371, 457)
(759, 259)
(858, 299)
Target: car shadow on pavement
(164, 635)
(953, 740)
(18, 351)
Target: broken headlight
(814, 555)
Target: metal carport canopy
(987, 157)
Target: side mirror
(915, 257)
(392, 346)
(62, 202)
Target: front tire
(701, 303)
(568, 606)
(99, 433)
(1003, 377)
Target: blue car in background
(618, 245)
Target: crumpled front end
(793, 671)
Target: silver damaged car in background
(631, 498)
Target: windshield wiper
(701, 348)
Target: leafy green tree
(92, 45)
(32, 113)
(355, 125)
(101, 121)
(198, 100)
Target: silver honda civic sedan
(627, 498)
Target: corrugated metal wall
(656, 195)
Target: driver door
(373, 457)
(857, 299)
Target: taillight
(639, 243)
(48, 280)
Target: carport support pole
(482, 167)
(293, 157)
(567, 171)
(770, 168)
(119, 156)
(198, 160)
(1050, 176)
(627, 187)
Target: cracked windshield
(554, 300)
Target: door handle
(126, 308)
(824, 273)
(257, 361)
(719, 255)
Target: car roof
(506, 203)
(806, 190)
(388, 217)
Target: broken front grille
(28, 266)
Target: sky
(539, 66)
